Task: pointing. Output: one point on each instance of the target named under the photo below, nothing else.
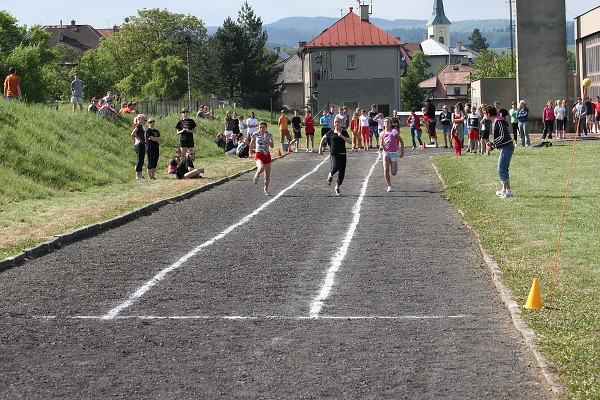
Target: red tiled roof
(352, 31)
(81, 37)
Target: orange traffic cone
(279, 153)
(534, 301)
(289, 148)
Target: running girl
(389, 141)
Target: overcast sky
(102, 14)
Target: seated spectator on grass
(231, 144)
(174, 162)
(200, 113)
(93, 106)
(221, 140)
(106, 110)
(186, 169)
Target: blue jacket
(523, 114)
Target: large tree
(478, 41)
(412, 95)
(244, 70)
(491, 65)
(128, 60)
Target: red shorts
(265, 158)
(474, 134)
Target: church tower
(438, 26)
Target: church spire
(437, 16)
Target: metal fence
(161, 108)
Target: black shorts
(485, 135)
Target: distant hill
(288, 32)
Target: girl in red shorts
(261, 141)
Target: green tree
(571, 61)
(124, 60)
(243, 70)
(491, 65)
(169, 79)
(478, 41)
(412, 94)
(11, 35)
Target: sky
(100, 14)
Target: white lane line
(338, 257)
(162, 274)
(262, 317)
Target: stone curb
(85, 232)
(511, 305)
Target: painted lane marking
(338, 257)
(260, 317)
(142, 290)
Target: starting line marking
(142, 290)
(261, 317)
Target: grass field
(60, 171)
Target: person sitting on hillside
(175, 160)
(93, 106)
(221, 140)
(186, 169)
(200, 113)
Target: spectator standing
(414, 126)
(252, 123)
(185, 128)
(365, 129)
(392, 147)
(548, 120)
(395, 120)
(243, 126)
(153, 138)
(473, 120)
(458, 127)
(446, 124)
(297, 129)
(579, 117)
(324, 122)
(355, 129)
(139, 143)
(77, 92)
(260, 143)
(373, 126)
(12, 85)
(337, 139)
(504, 143)
(560, 114)
(284, 130)
(236, 124)
(590, 119)
(486, 129)
(229, 125)
(597, 113)
(430, 113)
(309, 130)
(523, 122)
(513, 121)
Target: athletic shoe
(308, 150)
(329, 179)
(266, 192)
(337, 191)
(389, 189)
(413, 147)
(255, 179)
(500, 192)
(506, 194)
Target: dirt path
(367, 295)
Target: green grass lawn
(521, 234)
(60, 171)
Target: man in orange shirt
(12, 85)
(284, 130)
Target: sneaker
(329, 179)
(500, 192)
(308, 150)
(255, 179)
(413, 147)
(389, 189)
(506, 194)
(266, 192)
(337, 191)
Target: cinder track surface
(369, 295)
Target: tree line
(147, 58)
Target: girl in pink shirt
(392, 146)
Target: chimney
(72, 22)
(364, 12)
(302, 44)
(459, 46)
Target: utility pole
(512, 46)
(188, 42)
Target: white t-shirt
(252, 124)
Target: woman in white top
(560, 114)
(252, 124)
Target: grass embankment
(61, 170)
(521, 234)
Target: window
(351, 61)
(456, 90)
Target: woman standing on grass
(502, 141)
(261, 141)
(337, 139)
(139, 143)
(392, 147)
(152, 140)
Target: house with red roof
(80, 37)
(353, 63)
(449, 86)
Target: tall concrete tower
(438, 26)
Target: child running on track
(389, 139)
(337, 138)
(261, 141)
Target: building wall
(371, 62)
(541, 51)
(489, 90)
(587, 40)
(362, 91)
